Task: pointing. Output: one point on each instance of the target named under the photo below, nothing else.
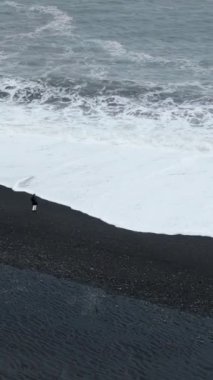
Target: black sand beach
(76, 319)
(55, 329)
(170, 270)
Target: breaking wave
(175, 115)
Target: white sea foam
(61, 22)
(144, 57)
(3, 56)
(115, 48)
(153, 173)
(93, 136)
(150, 119)
(12, 4)
(140, 188)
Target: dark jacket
(34, 200)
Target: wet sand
(171, 270)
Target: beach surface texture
(65, 280)
(172, 270)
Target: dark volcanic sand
(54, 329)
(172, 270)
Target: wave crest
(175, 116)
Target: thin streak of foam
(3, 56)
(61, 21)
(12, 4)
(144, 57)
(116, 49)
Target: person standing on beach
(34, 202)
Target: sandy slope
(172, 270)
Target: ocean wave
(175, 116)
(56, 89)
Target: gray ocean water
(53, 329)
(142, 68)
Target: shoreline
(171, 195)
(172, 270)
